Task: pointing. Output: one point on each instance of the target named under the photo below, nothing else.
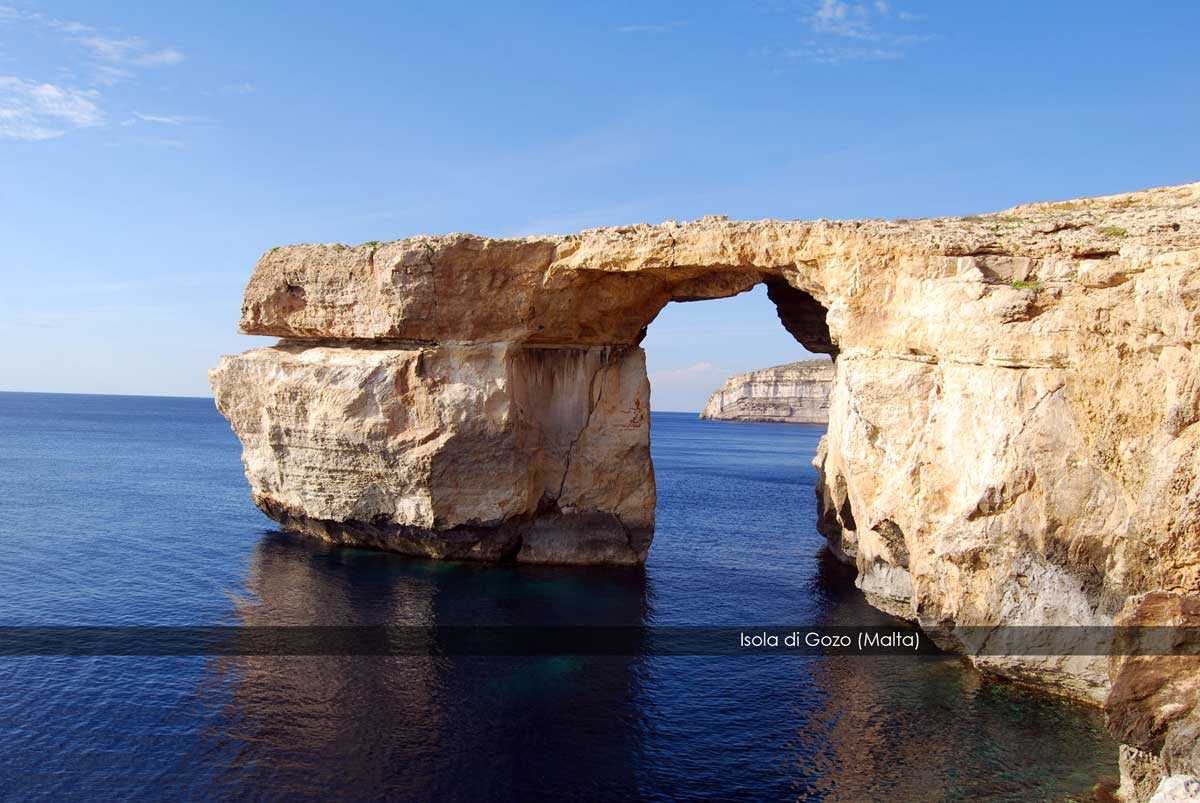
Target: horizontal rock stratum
(1012, 431)
(795, 393)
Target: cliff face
(1012, 425)
(479, 451)
(795, 393)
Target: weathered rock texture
(1153, 705)
(795, 393)
(477, 451)
(1012, 433)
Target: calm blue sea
(129, 510)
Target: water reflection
(931, 728)
(734, 546)
(470, 728)
(422, 727)
(151, 523)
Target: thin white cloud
(132, 50)
(833, 55)
(163, 119)
(116, 50)
(156, 58)
(116, 56)
(70, 26)
(35, 111)
(842, 19)
(844, 32)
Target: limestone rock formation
(1153, 706)
(475, 451)
(795, 393)
(1012, 432)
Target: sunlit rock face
(1012, 424)
(477, 451)
(795, 393)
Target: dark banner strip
(591, 640)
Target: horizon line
(183, 396)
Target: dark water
(120, 510)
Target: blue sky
(150, 152)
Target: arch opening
(693, 349)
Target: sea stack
(795, 393)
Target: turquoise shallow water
(124, 510)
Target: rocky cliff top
(603, 286)
(818, 370)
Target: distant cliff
(796, 393)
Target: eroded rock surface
(795, 393)
(1012, 426)
(480, 451)
(1153, 705)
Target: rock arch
(1012, 435)
(465, 398)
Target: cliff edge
(795, 393)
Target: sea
(134, 511)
